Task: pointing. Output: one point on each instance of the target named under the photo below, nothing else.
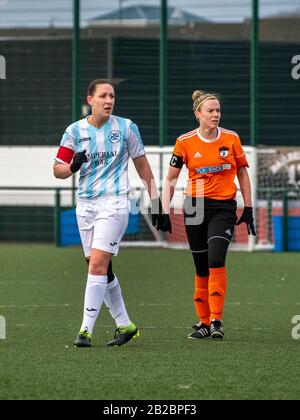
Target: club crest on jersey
(223, 151)
(115, 136)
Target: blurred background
(209, 44)
(208, 47)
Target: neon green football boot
(84, 339)
(124, 334)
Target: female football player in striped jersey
(100, 146)
(213, 156)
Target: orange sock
(217, 291)
(201, 299)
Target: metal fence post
(75, 71)
(285, 221)
(269, 216)
(57, 217)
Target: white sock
(93, 299)
(115, 304)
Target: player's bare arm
(159, 218)
(245, 185)
(145, 173)
(62, 170)
(65, 170)
(169, 187)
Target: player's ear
(89, 100)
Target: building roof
(145, 15)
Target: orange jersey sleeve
(179, 150)
(239, 154)
(212, 164)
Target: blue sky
(58, 13)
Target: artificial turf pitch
(41, 298)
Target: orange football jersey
(212, 164)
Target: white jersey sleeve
(135, 143)
(67, 147)
(68, 139)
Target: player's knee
(217, 252)
(98, 268)
(201, 265)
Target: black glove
(247, 217)
(159, 218)
(78, 159)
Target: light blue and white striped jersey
(108, 150)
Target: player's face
(209, 114)
(103, 100)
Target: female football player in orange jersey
(213, 156)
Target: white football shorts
(102, 223)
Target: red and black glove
(78, 159)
